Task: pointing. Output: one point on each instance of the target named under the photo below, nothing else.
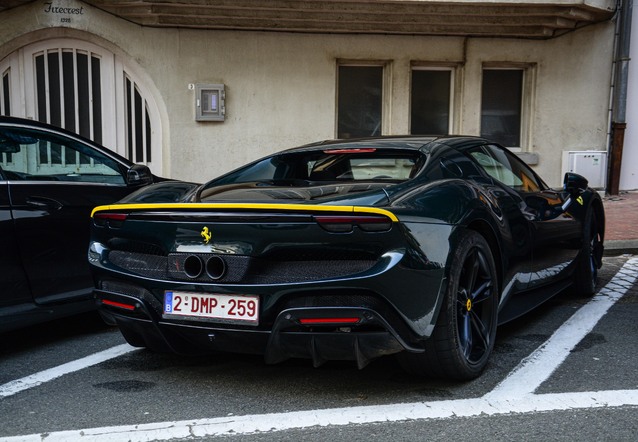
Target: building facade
(195, 89)
(629, 166)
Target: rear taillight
(104, 219)
(356, 150)
(329, 321)
(116, 304)
(345, 223)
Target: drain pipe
(619, 105)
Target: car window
(263, 170)
(31, 155)
(354, 167)
(330, 165)
(506, 168)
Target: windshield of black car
(307, 168)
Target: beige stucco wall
(281, 87)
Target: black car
(50, 179)
(348, 250)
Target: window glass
(362, 167)
(84, 95)
(5, 94)
(40, 156)
(430, 102)
(506, 168)
(380, 168)
(138, 127)
(359, 101)
(60, 73)
(501, 105)
(53, 70)
(306, 168)
(69, 79)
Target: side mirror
(574, 184)
(139, 175)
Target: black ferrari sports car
(347, 250)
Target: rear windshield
(307, 168)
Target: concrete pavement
(621, 230)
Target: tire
(589, 258)
(464, 334)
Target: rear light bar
(115, 216)
(359, 150)
(324, 321)
(102, 219)
(345, 223)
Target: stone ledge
(529, 158)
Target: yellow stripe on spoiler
(296, 207)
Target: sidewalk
(621, 230)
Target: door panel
(14, 288)
(553, 235)
(52, 226)
(557, 237)
(54, 183)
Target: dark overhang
(540, 19)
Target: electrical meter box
(592, 164)
(210, 102)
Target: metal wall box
(592, 164)
(210, 102)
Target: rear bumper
(372, 336)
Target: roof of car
(17, 121)
(416, 142)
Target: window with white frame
(360, 101)
(68, 90)
(86, 89)
(505, 95)
(431, 101)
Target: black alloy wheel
(474, 312)
(464, 335)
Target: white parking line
(267, 423)
(537, 367)
(512, 396)
(13, 387)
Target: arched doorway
(86, 89)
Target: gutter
(619, 93)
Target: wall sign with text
(64, 12)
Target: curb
(620, 247)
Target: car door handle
(42, 203)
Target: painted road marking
(506, 398)
(268, 423)
(13, 387)
(538, 367)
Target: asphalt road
(550, 378)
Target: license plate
(212, 307)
